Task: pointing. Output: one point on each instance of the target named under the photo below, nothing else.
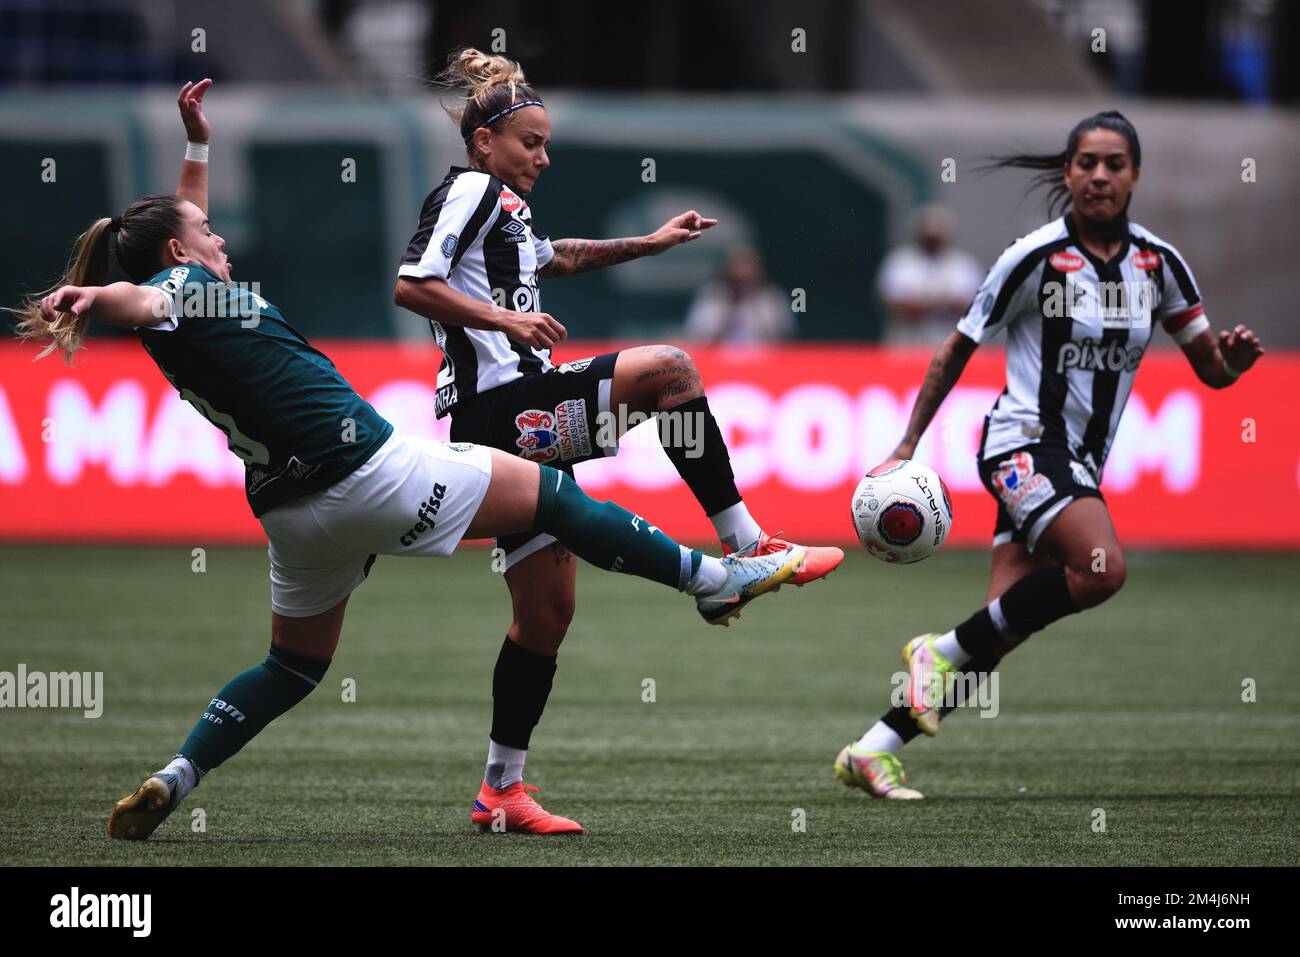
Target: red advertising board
(107, 451)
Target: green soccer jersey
(286, 411)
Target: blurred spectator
(927, 284)
(741, 305)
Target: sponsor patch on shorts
(1021, 488)
(537, 438)
(572, 428)
(564, 434)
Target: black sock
(900, 719)
(521, 683)
(1030, 605)
(705, 466)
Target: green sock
(608, 535)
(248, 703)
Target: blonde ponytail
(491, 83)
(142, 234)
(88, 266)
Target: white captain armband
(1187, 327)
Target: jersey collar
(1097, 262)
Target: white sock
(736, 528)
(505, 765)
(947, 645)
(710, 576)
(189, 774)
(879, 737)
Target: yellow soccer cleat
(929, 676)
(879, 773)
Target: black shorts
(553, 418)
(1032, 484)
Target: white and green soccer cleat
(929, 676)
(879, 773)
(747, 578)
(138, 815)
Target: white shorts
(413, 497)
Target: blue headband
(507, 111)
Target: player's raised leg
(523, 496)
(664, 380)
(301, 650)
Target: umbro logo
(513, 227)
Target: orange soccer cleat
(513, 809)
(819, 561)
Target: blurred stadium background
(817, 158)
(820, 161)
(814, 134)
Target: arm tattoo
(572, 256)
(945, 369)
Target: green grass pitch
(1135, 708)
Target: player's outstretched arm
(194, 171)
(1219, 362)
(573, 256)
(121, 304)
(945, 369)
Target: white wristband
(198, 152)
(1230, 372)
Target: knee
(664, 356)
(542, 626)
(1101, 579)
(674, 374)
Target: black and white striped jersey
(477, 235)
(1076, 329)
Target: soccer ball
(902, 511)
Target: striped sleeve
(1180, 310)
(542, 247)
(451, 221)
(1002, 296)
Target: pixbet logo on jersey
(1089, 355)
